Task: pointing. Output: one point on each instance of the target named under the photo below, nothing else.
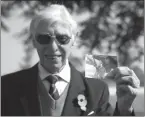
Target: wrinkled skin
(49, 51)
(127, 84)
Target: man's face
(55, 49)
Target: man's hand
(127, 85)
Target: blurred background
(105, 27)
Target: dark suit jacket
(20, 97)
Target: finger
(128, 80)
(122, 71)
(135, 78)
(126, 90)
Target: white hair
(54, 13)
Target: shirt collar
(64, 73)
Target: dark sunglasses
(47, 38)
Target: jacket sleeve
(105, 108)
(10, 105)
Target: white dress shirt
(62, 82)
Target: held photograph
(98, 66)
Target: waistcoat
(49, 106)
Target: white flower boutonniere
(82, 102)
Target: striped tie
(53, 90)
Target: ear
(75, 37)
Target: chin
(53, 68)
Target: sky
(12, 49)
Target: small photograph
(98, 66)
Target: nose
(53, 46)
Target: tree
(119, 24)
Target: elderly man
(53, 86)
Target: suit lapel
(30, 100)
(76, 87)
(93, 96)
(90, 98)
